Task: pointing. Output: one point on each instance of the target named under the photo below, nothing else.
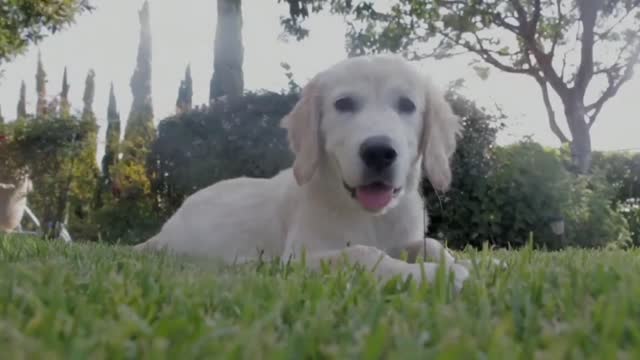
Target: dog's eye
(405, 105)
(345, 104)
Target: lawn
(78, 301)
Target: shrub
(621, 171)
(229, 139)
(457, 215)
(529, 189)
(47, 148)
(630, 209)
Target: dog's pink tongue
(374, 197)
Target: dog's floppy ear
(440, 130)
(303, 126)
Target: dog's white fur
(307, 207)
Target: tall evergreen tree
(228, 78)
(131, 175)
(1, 117)
(185, 93)
(140, 131)
(22, 102)
(87, 97)
(110, 157)
(65, 106)
(85, 190)
(41, 88)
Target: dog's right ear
(303, 127)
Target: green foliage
(527, 189)
(27, 21)
(50, 150)
(455, 214)
(503, 195)
(93, 301)
(237, 138)
(630, 209)
(621, 172)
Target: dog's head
(371, 119)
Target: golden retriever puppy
(364, 133)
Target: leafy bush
(457, 215)
(630, 209)
(48, 149)
(528, 189)
(229, 139)
(621, 171)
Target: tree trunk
(580, 137)
(228, 79)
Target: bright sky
(183, 32)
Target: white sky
(183, 32)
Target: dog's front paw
(460, 275)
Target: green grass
(99, 302)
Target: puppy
(364, 133)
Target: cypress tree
(140, 131)
(185, 93)
(22, 103)
(110, 157)
(41, 88)
(87, 97)
(228, 78)
(65, 106)
(84, 190)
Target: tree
(65, 106)
(22, 102)
(27, 21)
(89, 93)
(1, 117)
(41, 88)
(140, 125)
(131, 176)
(85, 196)
(112, 137)
(228, 78)
(185, 93)
(534, 38)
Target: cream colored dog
(363, 132)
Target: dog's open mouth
(374, 196)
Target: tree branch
(486, 55)
(553, 124)
(614, 83)
(528, 33)
(603, 34)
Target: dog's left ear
(438, 143)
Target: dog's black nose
(377, 153)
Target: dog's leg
(383, 265)
(432, 248)
(434, 251)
